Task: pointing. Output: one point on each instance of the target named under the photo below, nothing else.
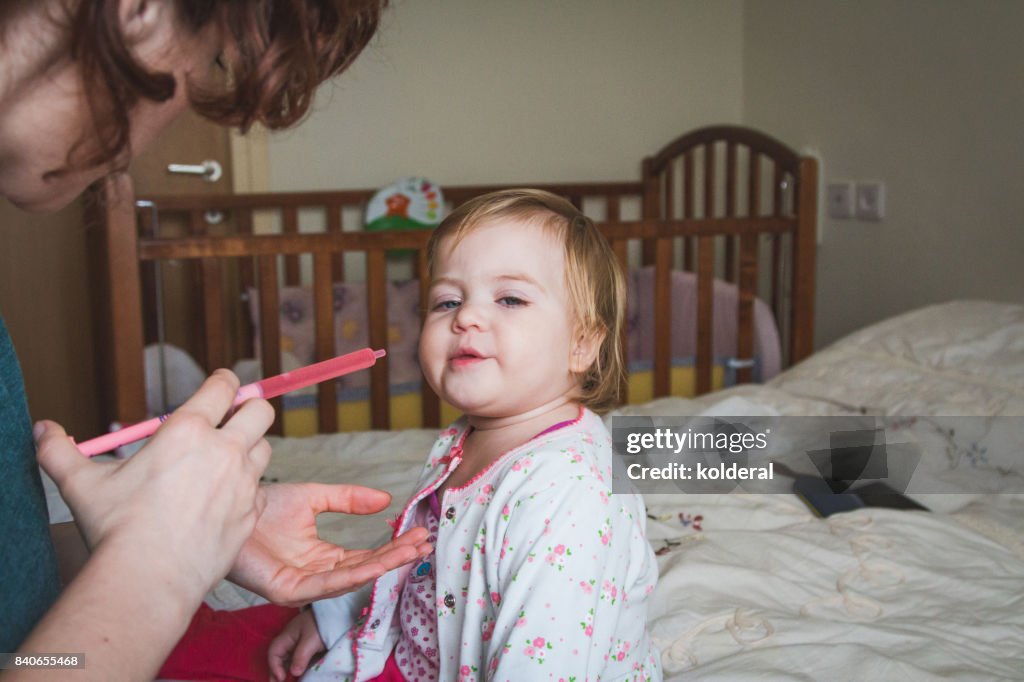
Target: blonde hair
(593, 279)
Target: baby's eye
(511, 301)
(450, 304)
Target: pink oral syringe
(266, 388)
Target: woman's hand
(188, 498)
(285, 560)
(291, 651)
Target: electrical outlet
(870, 200)
(839, 198)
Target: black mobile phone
(820, 496)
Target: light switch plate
(839, 198)
(870, 200)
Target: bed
(752, 585)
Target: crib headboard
(728, 186)
(752, 224)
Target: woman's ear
(141, 20)
(585, 351)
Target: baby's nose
(469, 315)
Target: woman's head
(106, 76)
(592, 281)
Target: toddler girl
(538, 572)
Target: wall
(925, 96)
(464, 91)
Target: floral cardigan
(542, 573)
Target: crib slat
(613, 209)
(270, 329)
(777, 262)
(709, 180)
(430, 405)
(290, 225)
(323, 306)
(730, 210)
(754, 185)
(745, 312)
(802, 298)
(730, 180)
(670, 190)
(377, 315)
(243, 224)
(776, 276)
(333, 226)
(705, 311)
(213, 312)
(688, 211)
(126, 393)
(777, 188)
(652, 206)
(210, 296)
(663, 316)
(246, 278)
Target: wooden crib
(724, 202)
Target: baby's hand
(291, 651)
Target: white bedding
(755, 585)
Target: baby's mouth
(465, 357)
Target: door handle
(208, 170)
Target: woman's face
(43, 118)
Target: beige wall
(472, 91)
(919, 95)
(925, 96)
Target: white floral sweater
(542, 573)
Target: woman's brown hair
(276, 53)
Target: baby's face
(497, 337)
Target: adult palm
(286, 561)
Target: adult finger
(214, 398)
(56, 453)
(250, 422)
(349, 499)
(417, 535)
(406, 547)
(358, 568)
(259, 455)
(337, 581)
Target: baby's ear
(585, 350)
